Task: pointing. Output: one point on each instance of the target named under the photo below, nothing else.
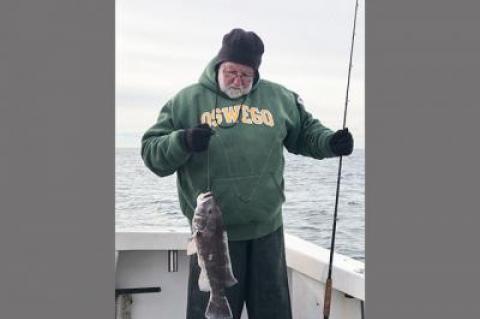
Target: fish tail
(218, 308)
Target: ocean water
(147, 202)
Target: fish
(210, 242)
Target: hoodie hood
(209, 79)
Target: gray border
(422, 193)
(57, 159)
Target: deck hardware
(131, 291)
(172, 260)
(124, 300)
(123, 307)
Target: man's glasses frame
(244, 77)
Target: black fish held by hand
(210, 242)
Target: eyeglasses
(236, 74)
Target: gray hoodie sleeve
(163, 150)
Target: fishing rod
(328, 284)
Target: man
(226, 134)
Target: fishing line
(328, 283)
(208, 169)
(221, 125)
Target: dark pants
(260, 268)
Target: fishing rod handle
(327, 298)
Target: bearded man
(226, 134)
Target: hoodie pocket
(248, 199)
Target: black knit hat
(241, 47)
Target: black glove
(196, 139)
(341, 142)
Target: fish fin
(230, 280)
(218, 308)
(203, 283)
(191, 247)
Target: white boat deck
(142, 261)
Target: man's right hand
(196, 139)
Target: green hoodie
(244, 162)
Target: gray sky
(163, 46)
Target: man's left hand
(341, 142)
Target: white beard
(235, 93)
(232, 92)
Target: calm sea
(147, 202)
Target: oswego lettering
(231, 114)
